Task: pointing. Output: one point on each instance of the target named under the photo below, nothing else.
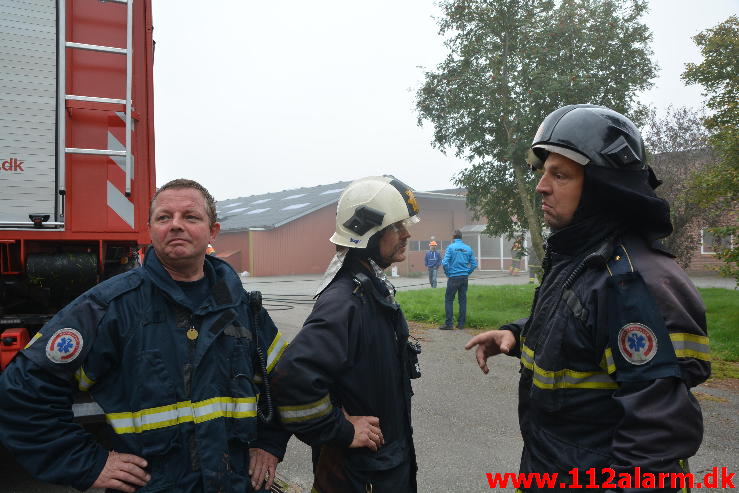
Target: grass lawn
(489, 307)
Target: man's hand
(490, 344)
(122, 472)
(262, 467)
(367, 432)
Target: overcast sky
(256, 97)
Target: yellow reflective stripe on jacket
(275, 351)
(305, 412)
(565, 378)
(691, 346)
(182, 412)
(610, 365)
(83, 381)
(35, 338)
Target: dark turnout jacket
(616, 337)
(188, 406)
(350, 356)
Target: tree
(719, 76)
(679, 149)
(512, 62)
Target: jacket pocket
(243, 390)
(564, 455)
(158, 418)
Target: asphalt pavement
(465, 422)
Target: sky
(257, 97)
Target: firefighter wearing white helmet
(343, 385)
(369, 205)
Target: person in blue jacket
(169, 352)
(459, 262)
(432, 260)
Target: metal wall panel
(298, 247)
(28, 101)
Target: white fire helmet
(369, 205)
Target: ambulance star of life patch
(637, 343)
(64, 345)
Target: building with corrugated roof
(287, 232)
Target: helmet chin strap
(373, 251)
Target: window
(507, 246)
(413, 245)
(445, 244)
(710, 243)
(471, 240)
(490, 246)
(424, 245)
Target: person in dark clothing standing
(343, 384)
(617, 332)
(432, 260)
(518, 251)
(459, 262)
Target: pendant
(192, 334)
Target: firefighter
(343, 384)
(169, 352)
(617, 332)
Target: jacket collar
(226, 287)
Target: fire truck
(76, 152)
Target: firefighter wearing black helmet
(343, 384)
(617, 331)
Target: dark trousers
(456, 285)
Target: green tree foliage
(512, 62)
(679, 151)
(719, 76)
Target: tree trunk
(534, 225)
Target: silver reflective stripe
(691, 346)
(182, 412)
(83, 381)
(565, 378)
(306, 411)
(275, 351)
(610, 364)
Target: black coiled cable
(255, 302)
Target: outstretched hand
(367, 432)
(122, 472)
(489, 344)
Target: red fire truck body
(76, 152)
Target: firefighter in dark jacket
(343, 384)
(617, 332)
(169, 352)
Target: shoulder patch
(64, 345)
(637, 343)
